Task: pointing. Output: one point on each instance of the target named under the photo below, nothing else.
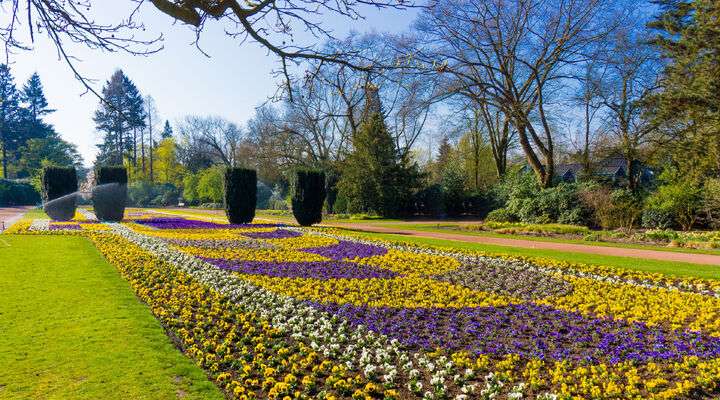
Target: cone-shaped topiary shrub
(110, 193)
(59, 192)
(240, 195)
(308, 196)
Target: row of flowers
(457, 326)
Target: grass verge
(72, 328)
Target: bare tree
(270, 23)
(633, 68)
(513, 55)
(219, 138)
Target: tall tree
(514, 56)
(9, 109)
(33, 96)
(375, 177)
(167, 130)
(119, 114)
(688, 103)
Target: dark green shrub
(110, 193)
(500, 215)
(656, 218)
(308, 196)
(240, 195)
(14, 193)
(59, 192)
(429, 201)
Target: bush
(14, 193)
(59, 192)
(146, 194)
(612, 209)
(240, 195)
(429, 201)
(263, 196)
(308, 196)
(654, 218)
(500, 215)
(210, 186)
(453, 189)
(711, 202)
(110, 193)
(529, 203)
(681, 199)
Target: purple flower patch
(347, 250)
(183, 223)
(58, 227)
(276, 234)
(529, 330)
(315, 269)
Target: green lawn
(663, 267)
(71, 328)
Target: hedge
(240, 195)
(110, 193)
(59, 192)
(13, 193)
(308, 196)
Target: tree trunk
(543, 174)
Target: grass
(656, 266)
(72, 328)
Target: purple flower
(182, 223)
(56, 227)
(315, 269)
(347, 250)
(276, 234)
(529, 330)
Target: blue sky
(231, 83)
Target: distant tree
(33, 96)
(167, 130)
(119, 115)
(219, 139)
(167, 166)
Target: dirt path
(693, 258)
(8, 215)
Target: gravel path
(8, 215)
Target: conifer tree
(9, 112)
(374, 178)
(167, 130)
(689, 103)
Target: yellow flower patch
(653, 306)
(411, 292)
(407, 263)
(250, 254)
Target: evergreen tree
(167, 130)
(688, 106)
(33, 96)
(374, 177)
(119, 115)
(9, 115)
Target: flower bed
(281, 312)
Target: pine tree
(119, 115)
(374, 178)
(33, 96)
(9, 113)
(167, 130)
(689, 102)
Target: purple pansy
(347, 250)
(314, 269)
(529, 330)
(182, 223)
(276, 234)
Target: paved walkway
(693, 258)
(8, 215)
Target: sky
(230, 83)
